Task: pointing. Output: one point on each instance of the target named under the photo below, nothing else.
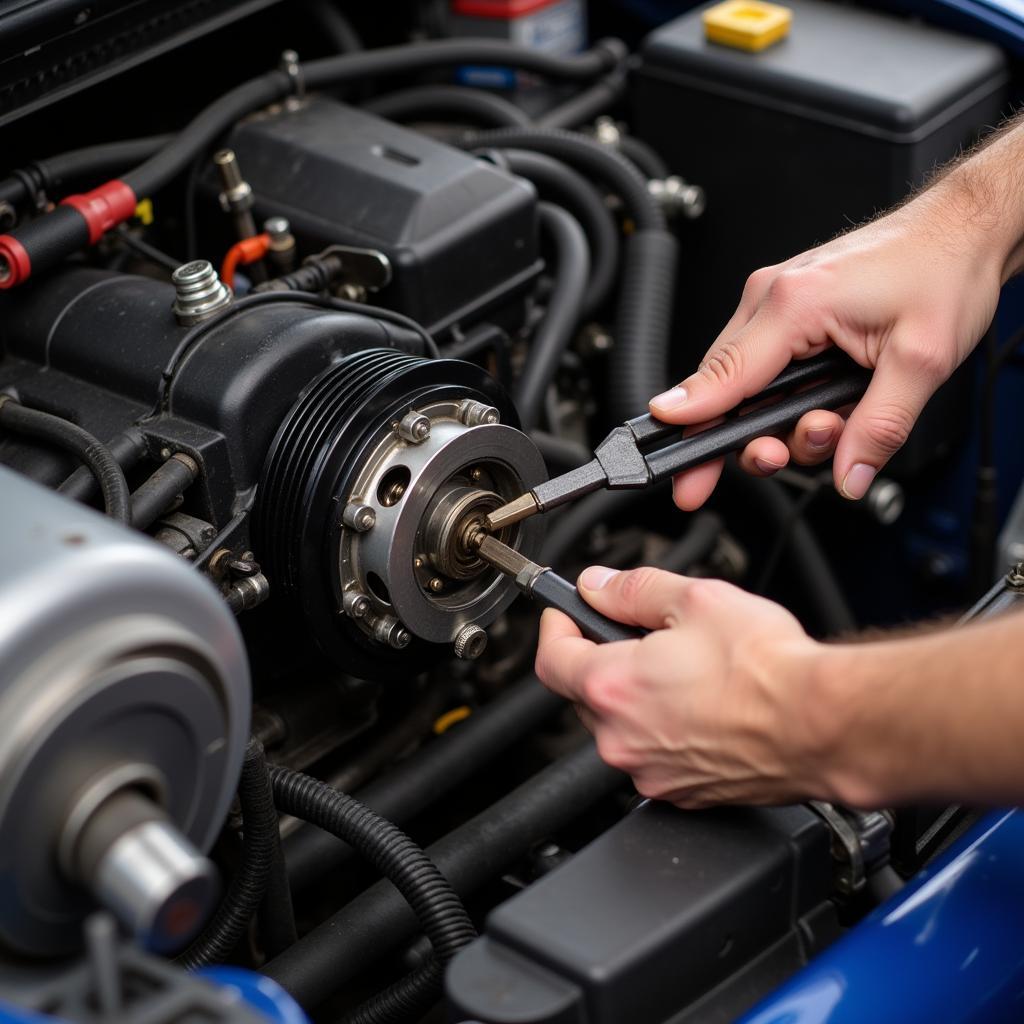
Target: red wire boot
(78, 221)
(248, 250)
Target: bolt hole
(393, 486)
(378, 588)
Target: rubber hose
(586, 155)
(552, 338)
(638, 362)
(808, 560)
(478, 851)
(696, 543)
(558, 182)
(645, 157)
(438, 909)
(247, 889)
(128, 448)
(449, 103)
(42, 426)
(98, 162)
(424, 778)
(343, 36)
(587, 105)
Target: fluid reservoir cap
(747, 24)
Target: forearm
(938, 716)
(979, 202)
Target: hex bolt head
(477, 414)
(390, 631)
(414, 427)
(355, 604)
(885, 501)
(470, 642)
(436, 585)
(359, 517)
(400, 639)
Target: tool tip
(514, 512)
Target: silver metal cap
(160, 887)
(199, 292)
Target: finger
(691, 489)
(881, 422)
(737, 366)
(815, 437)
(563, 655)
(764, 456)
(639, 597)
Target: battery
(555, 26)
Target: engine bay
(304, 294)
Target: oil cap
(747, 24)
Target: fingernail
(596, 577)
(767, 467)
(819, 438)
(671, 399)
(857, 481)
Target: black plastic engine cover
(665, 909)
(461, 234)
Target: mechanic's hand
(712, 707)
(909, 294)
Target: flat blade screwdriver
(552, 591)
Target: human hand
(908, 295)
(714, 706)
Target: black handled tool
(621, 461)
(550, 590)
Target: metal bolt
(356, 605)
(607, 132)
(414, 427)
(390, 631)
(278, 228)
(243, 566)
(477, 414)
(199, 292)
(885, 501)
(436, 585)
(676, 196)
(352, 292)
(470, 642)
(418, 562)
(359, 517)
(476, 474)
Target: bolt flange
(359, 517)
(414, 427)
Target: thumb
(881, 422)
(737, 366)
(640, 597)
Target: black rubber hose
(638, 362)
(127, 447)
(247, 889)
(156, 494)
(560, 453)
(696, 543)
(587, 155)
(42, 426)
(204, 130)
(814, 574)
(449, 103)
(644, 156)
(558, 182)
(438, 909)
(565, 303)
(378, 920)
(338, 29)
(586, 105)
(97, 163)
(429, 775)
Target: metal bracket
(860, 842)
(369, 268)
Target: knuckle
(648, 787)
(636, 584)
(724, 365)
(935, 362)
(613, 751)
(758, 282)
(888, 427)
